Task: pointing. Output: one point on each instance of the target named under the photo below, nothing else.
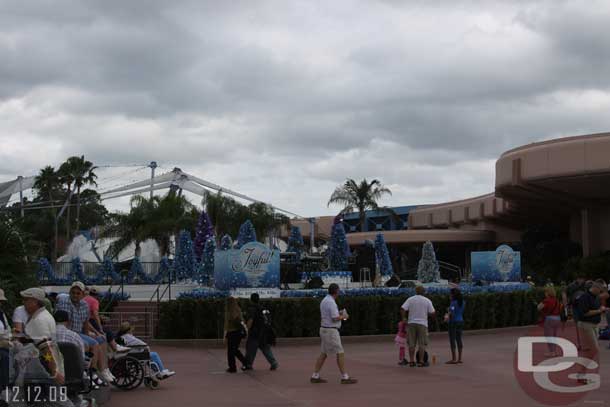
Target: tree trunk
(362, 216)
(54, 255)
(77, 210)
(68, 215)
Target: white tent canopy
(14, 187)
(181, 180)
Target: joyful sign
(254, 265)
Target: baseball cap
(78, 285)
(34, 292)
(2, 296)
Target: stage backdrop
(502, 265)
(252, 266)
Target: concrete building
(564, 182)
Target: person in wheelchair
(126, 338)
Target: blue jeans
(551, 326)
(455, 335)
(252, 346)
(154, 356)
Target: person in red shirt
(550, 311)
(94, 308)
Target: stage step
(143, 316)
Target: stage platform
(144, 292)
(137, 292)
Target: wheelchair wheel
(152, 384)
(128, 373)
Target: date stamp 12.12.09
(34, 394)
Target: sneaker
(274, 367)
(349, 380)
(106, 376)
(317, 380)
(231, 370)
(164, 374)
(403, 363)
(244, 368)
(122, 349)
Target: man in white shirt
(5, 337)
(330, 319)
(419, 308)
(40, 327)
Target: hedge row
(300, 317)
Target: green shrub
(300, 317)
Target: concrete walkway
(486, 378)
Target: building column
(586, 232)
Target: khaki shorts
(331, 341)
(589, 335)
(417, 336)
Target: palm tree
(129, 227)
(359, 196)
(158, 218)
(47, 182)
(75, 173)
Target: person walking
(455, 317)
(550, 313)
(260, 334)
(418, 308)
(570, 296)
(590, 311)
(235, 331)
(330, 338)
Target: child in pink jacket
(401, 342)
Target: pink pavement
(485, 379)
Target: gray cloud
(284, 100)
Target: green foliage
(300, 317)
(545, 251)
(227, 216)
(156, 219)
(354, 196)
(15, 271)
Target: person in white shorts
(419, 308)
(331, 318)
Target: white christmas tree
(427, 269)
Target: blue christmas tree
(106, 272)
(77, 273)
(295, 242)
(203, 232)
(383, 256)
(226, 243)
(339, 249)
(207, 263)
(247, 234)
(185, 262)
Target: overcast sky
(283, 100)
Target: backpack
(269, 336)
(425, 358)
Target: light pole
(152, 166)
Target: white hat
(34, 292)
(79, 285)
